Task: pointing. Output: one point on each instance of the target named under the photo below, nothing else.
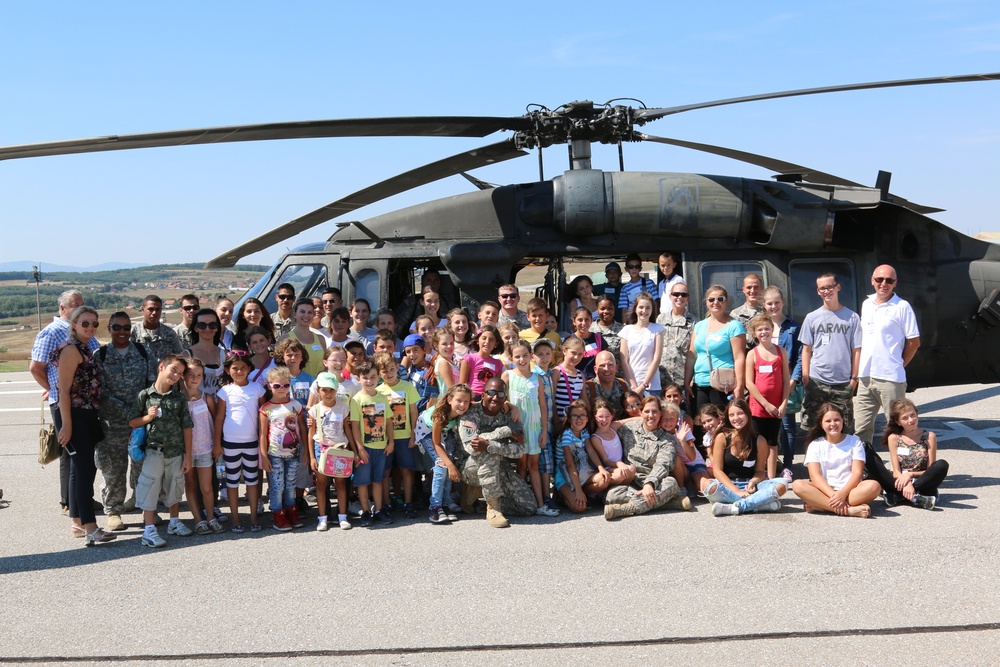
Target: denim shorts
(202, 460)
(402, 455)
(695, 468)
(374, 470)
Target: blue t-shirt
(717, 344)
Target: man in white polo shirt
(889, 339)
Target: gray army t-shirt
(833, 335)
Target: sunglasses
(680, 294)
(120, 327)
(633, 266)
(329, 301)
(280, 385)
(508, 296)
(207, 325)
(286, 297)
(237, 353)
(888, 281)
(87, 324)
(189, 308)
(713, 299)
(499, 393)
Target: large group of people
(639, 407)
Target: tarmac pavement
(907, 585)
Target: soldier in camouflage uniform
(679, 325)
(753, 290)
(494, 441)
(284, 319)
(189, 306)
(158, 338)
(651, 450)
(125, 371)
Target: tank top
(736, 468)
(454, 366)
(568, 389)
(770, 383)
(481, 371)
(916, 460)
(203, 433)
(85, 392)
(612, 447)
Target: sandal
(99, 536)
(255, 528)
(238, 528)
(77, 531)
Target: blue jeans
(717, 492)
(281, 482)
(787, 440)
(440, 482)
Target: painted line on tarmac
(980, 437)
(11, 393)
(18, 409)
(540, 646)
(5, 382)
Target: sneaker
(724, 509)
(255, 528)
(551, 504)
(786, 475)
(396, 503)
(178, 528)
(321, 525)
(448, 513)
(280, 521)
(438, 516)
(888, 499)
(219, 516)
(215, 526)
(454, 508)
(772, 506)
(152, 540)
(354, 509)
(382, 516)
(292, 514)
(115, 522)
(345, 525)
(545, 510)
(365, 520)
(201, 528)
(926, 502)
(409, 512)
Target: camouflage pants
(500, 480)
(818, 393)
(111, 456)
(666, 491)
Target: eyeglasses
(633, 266)
(578, 417)
(826, 288)
(499, 393)
(680, 294)
(207, 325)
(280, 385)
(189, 308)
(237, 353)
(86, 324)
(713, 299)
(120, 327)
(888, 281)
(512, 295)
(286, 297)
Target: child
(593, 343)
(425, 329)
(489, 314)
(386, 319)
(508, 334)
(420, 372)
(385, 341)
(567, 379)
(430, 299)
(446, 368)
(768, 385)
(573, 467)
(916, 470)
(541, 353)
(236, 436)
(328, 429)
(672, 394)
(537, 314)
(360, 312)
(836, 462)
(370, 426)
(689, 464)
(460, 328)
(479, 366)
(711, 419)
(356, 352)
(293, 355)
(436, 432)
(632, 404)
(281, 429)
(164, 410)
(260, 360)
(606, 447)
(402, 399)
(526, 392)
(201, 406)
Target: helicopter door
(552, 291)
(364, 279)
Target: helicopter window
(367, 287)
(802, 275)
(729, 275)
(307, 279)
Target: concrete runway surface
(911, 586)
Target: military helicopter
(788, 230)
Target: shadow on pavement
(960, 399)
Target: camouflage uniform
(123, 376)
(520, 319)
(184, 336)
(611, 338)
(494, 469)
(615, 396)
(744, 314)
(282, 327)
(652, 454)
(818, 393)
(676, 343)
(160, 341)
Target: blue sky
(71, 70)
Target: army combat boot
(682, 503)
(493, 514)
(613, 511)
(470, 494)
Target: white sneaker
(321, 525)
(153, 540)
(345, 525)
(178, 528)
(546, 511)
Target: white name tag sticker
(380, 407)
(824, 339)
(765, 369)
(715, 338)
(317, 347)
(200, 408)
(902, 451)
(749, 464)
(301, 386)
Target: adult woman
(786, 336)
(739, 457)
(582, 288)
(206, 335)
(678, 325)
(79, 400)
(651, 451)
(224, 309)
(641, 348)
(719, 343)
(252, 314)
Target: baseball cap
(326, 381)
(612, 265)
(413, 339)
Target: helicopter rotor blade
(646, 115)
(428, 173)
(416, 126)
(781, 167)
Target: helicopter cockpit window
(802, 274)
(307, 279)
(367, 287)
(729, 275)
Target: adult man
(634, 287)
(509, 297)
(332, 299)
(612, 288)
(125, 371)
(159, 339)
(606, 384)
(494, 441)
(753, 289)
(46, 374)
(679, 325)
(831, 349)
(189, 306)
(890, 338)
(283, 320)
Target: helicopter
(789, 230)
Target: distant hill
(26, 266)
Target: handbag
(137, 444)
(336, 462)
(720, 379)
(795, 400)
(48, 444)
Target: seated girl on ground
(916, 470)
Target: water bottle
(220, 468)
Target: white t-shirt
(242, 407)
(835, 460)
(641, 347)
(885, 328)
(663, 292)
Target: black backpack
(103, 352)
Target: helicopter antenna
(621, 157)
(541, 165)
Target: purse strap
(41, 415)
